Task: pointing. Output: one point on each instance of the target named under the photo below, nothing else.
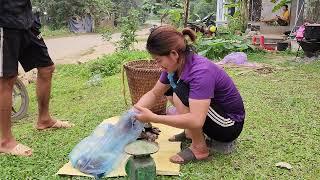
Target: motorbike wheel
(194, 28)
(20, 101)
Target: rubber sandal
(188, 156)
(19, 150)
(58, 125)
(180, 137)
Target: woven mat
(161, 158)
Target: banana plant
(279, 4)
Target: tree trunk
(312, 10)
(186, 12)
(244, 10)
(255, 10)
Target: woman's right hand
(144, 115)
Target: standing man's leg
(36, 55)
(6, 87)
(43, 91)
(43, 96)
(10, 44)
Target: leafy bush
(218, 48)
(151, 6)
(173, 16)
(176, 17)
(170, 12)
(129, 26)
(106, 32)
(112, 64)
(59, 11)
(200, 9)
(235, 21)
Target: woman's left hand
(144, 115)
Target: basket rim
(127, 65)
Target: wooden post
(186, 12)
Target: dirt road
(83, 48)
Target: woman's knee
(194, 132)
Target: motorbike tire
(19, 89)
(194, 28)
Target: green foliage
(150, 6)
(174, 15)
(234, 22)
(121, 9)
(112, 64)
(106, 32)
(200, 9)
(170, 11)
(46, 31)
(282, 124)
(174, 3)
(129, 26)
(218, 48)
(279, 5)
(59, 11)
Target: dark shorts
(24, 46)
(217, 126)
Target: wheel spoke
(14, 90)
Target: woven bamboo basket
(142, 75)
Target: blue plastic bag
(100, 152)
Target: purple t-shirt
(208, 81)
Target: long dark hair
(164, 39)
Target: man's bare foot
(12, 147)
(7, 144)
(44, 124)
(56, 124)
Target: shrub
(218, 48)
(129, 26)
(112, 64)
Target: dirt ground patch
(82, 48)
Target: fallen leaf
(284, 165)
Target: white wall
(221, 11)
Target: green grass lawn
(282, 123)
